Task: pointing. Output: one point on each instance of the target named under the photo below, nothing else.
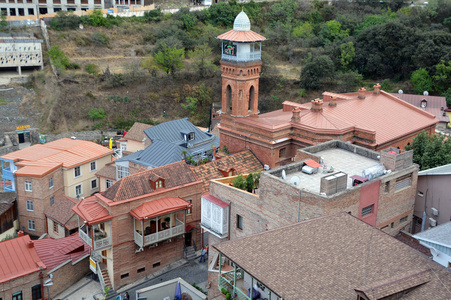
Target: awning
(159, 207)
(91, 211)
(215, 200)
(359, 178)
(312, 163)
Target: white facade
(21, 51)
(36, 7)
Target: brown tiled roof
(6, 201)
(241, 36)
(331, 257)
(435, 105)
(243, 162)
(61, 210)
(414, 243)
(138, 184)
(136, 132)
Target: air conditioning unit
(432, 222)
(266, 167)
(434, 211)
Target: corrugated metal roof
(441, 170)
(56, 252)
(241, 36)
(91, 211)
(440, 235)
(159, 207)
(436, 105)
(17, 259)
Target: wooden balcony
(102, 239)
(159, 236)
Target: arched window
(229, 98)
(251, 99)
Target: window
(93, 166)
(420, 194)
(387, 187)
(52, 200)
(367, 210)
(239, 222)
(189, 209)
(109, 183)
(403, 181)
(122, 172)
(140, 270)
(77, 190)
(30, 206)
(17, 296)
(28, 187)
(158, 184)
(281, 152)
(50, 183)
(157, 264)
(93, 184)
(36, 292)
(31, 225)
(77, 171)
(191, 137)
(55, 227)
(402, 220)
(392, 224)
(124, 146)
(124, 275)
(215, 217)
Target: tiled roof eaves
(38, 175)
(22, 274)
(89, 160)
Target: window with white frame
(50, 183)
(367, 210)
(215, 217)
(77, 171)
(123, 146)
(93, 166)
(28, 186)
(78, 190)
(158, 184)
(109, 183)
(191, 136)
(122, 172)
(189, 211)
(30, 206)
(31, 225)
(93, 184)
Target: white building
(19, 50)
(438, 240)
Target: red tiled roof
(215, 200)
(243, 163)
(159, 207)
(138, 184)
(61, 210)
(56, 252)
(92, 211)
(17, 259)
(241, 36)
(68, 152)
(136, 132)
(312, 163)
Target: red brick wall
(40, 196)
(24, 284)
(67, 275)
(369, 196)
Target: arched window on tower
(251, 99)
(229, 98)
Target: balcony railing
(226, 282)
(7, 174)
(252, 56)
(85, 237)
(159, 236)
(99, 243)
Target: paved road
(192, 272)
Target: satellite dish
(295, 180)
(284, 175)
(433, 251)
(425, 93)
(400, 92)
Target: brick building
(144, 221)
(61, 219)
(42, 172)
(286, 195)
(135, 139)
(375, 119)
(332, 257)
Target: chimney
(332, 101)
(317, 105)
(296, 117)
(377, 89)
(362, 92)
(30, 244)
(20, 233)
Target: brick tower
(240, 67)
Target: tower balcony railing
(243, 57)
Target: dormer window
(424, 103)
(158, 184)
(191, 136)
(228, 172)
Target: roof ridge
(402, 102)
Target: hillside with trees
(116, 71)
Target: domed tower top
(242, 22)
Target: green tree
(331, 31)
(442, 77)
(421, 81)
(447, 95)
(303, 30)
(316, 73)
(149, 65)
(170, 59)
(58, 58)
(250, 182)
(430, 151)
(239, 182)
(347, 55)
(152, 15)
(190, 105)
(221, 14)
(3, 22)
(96, 18)
(202, 57)
(65, 20)
(97, 114)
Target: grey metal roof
(173, 132)
(440, 235)
(442, 170)
(435, 104)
